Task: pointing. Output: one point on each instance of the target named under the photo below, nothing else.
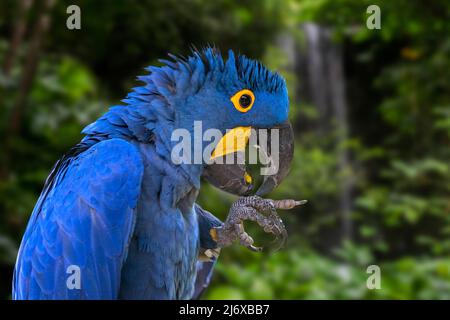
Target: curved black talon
(255, 249)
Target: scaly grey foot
(254, 208)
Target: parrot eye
(243, 100)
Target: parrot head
(236, 97)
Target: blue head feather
(198, 87)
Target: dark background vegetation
(371, 110)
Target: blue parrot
(116, 210)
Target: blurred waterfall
(318, 63)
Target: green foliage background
(398, 87)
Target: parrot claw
(255, 249)
(263, 212)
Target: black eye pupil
(245, 100)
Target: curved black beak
(231, 178)
(278, 155)
(281, 163)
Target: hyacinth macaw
(119, 209)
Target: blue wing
(205, 269)
(83, 222)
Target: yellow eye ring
(243, 100)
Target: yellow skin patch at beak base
(234, 140)
(248, 178)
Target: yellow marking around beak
(248, 178)
(234, 140)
